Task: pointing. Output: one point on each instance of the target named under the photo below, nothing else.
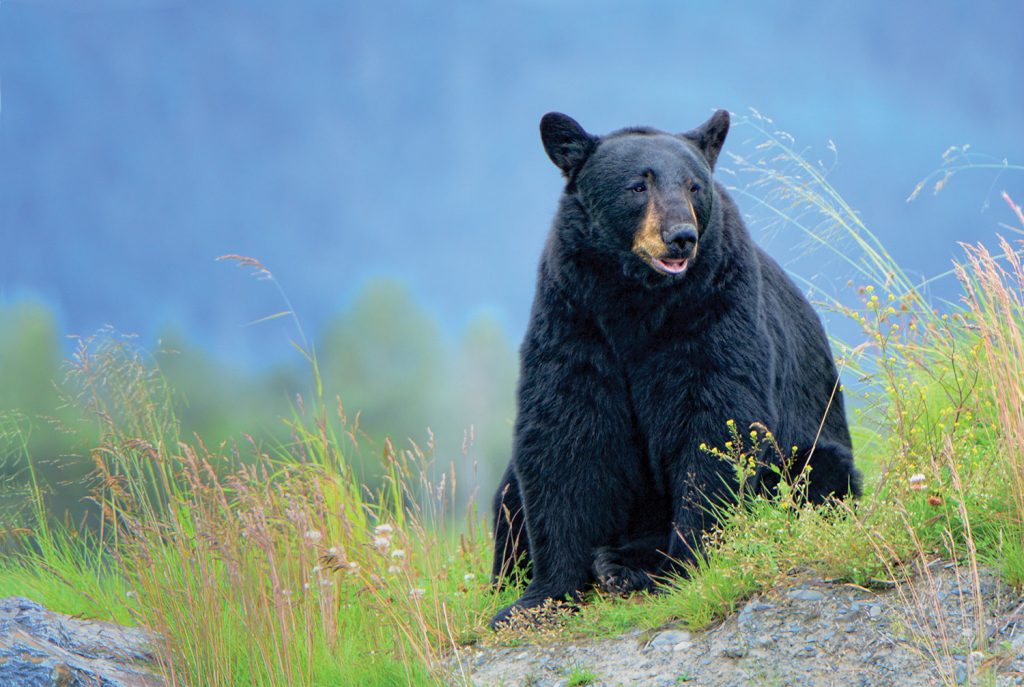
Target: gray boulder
(40, 648)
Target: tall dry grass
(275, 565)
(993, 291)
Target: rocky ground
(811, 633)
(807, 633)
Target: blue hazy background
(382, 159)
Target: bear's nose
(682, 237)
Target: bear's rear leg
(632, 567)
(511, 546)
(832, 473)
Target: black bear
(656, 321)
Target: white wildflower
(398, 553)
(383, 529)
(917, 482)
(417, 593)
(313, 535)
(469, 577)
(381, 543)
(394, 569)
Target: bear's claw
(616, 578)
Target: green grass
(70, 575)
(304, 576)
(580, 676)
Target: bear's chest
(678, 361)
(675, 344)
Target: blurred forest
(385, 359)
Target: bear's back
(806, 375)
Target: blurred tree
(384, 357)
(29, 358)
(36, 416)
(483, 383)
(219, 402)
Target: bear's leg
(631, 567)
(511, 547)
(575, 453)
(575, 471)
(575, 514)
(832, 472)
(700, 498)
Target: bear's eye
(639, 187)
(694, 187)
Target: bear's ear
(710, 136)
(565, 141)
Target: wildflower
(313, 535)
(417, 593)
(917, 482)
(381, 543)
(398, 553)
(383, 529)
(305, 586)
(934, 500)
(469, 577)
(394, 569)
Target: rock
(39, 648)
(669, 639)
(852, 615)
(806, 595)
(746, 616)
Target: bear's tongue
(673, 266)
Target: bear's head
(648, 196)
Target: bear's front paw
(616, 578)
(504, 616)
(533, 611)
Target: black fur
(627, 369)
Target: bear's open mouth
(672, 265)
